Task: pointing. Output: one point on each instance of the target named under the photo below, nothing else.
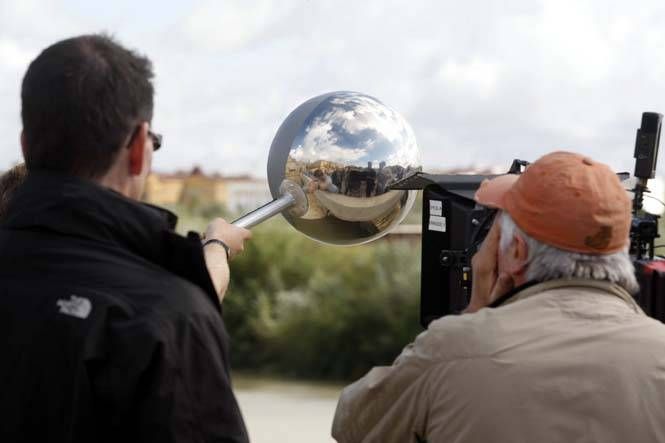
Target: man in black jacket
(110, 325)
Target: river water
(286, 411)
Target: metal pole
(266, 211)
(292, 198)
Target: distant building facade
(246, 193)
(164, 189)
(236, 193)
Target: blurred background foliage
(298, 308)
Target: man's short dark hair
(82, 98)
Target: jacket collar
(74, 207)
(532, 288)
(80, 208)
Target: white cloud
(479, 82)
(321, 142)
(232, 24)
(477, 77)
(12, 56)
(353, 129)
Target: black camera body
(454, 225)
(447, 253)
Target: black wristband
(218, 242)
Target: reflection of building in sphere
(345, 149)
(294, 170)
(384, 179)
(368, 182)
(323, 165)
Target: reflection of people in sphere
(322, 182)
(385, 178)
(370, 179)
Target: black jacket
(110, 328)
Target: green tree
(300, 308)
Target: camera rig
(454, 226)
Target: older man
(552, 347)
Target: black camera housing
(453, 246)
(453, 226)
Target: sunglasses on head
(156, 140)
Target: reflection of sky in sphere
(349, 128)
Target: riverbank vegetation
(298, 308)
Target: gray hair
(547, 262)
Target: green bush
(299, 308)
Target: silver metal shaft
(266, 211)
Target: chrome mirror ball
(331, 165)
(344, 150)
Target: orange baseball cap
(565, 200)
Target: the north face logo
(76, 306)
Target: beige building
(164, 189)
(245, 193)
(199, 188)
(236, 193)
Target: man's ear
(137, 149)
(520, 253)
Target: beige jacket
(562, 361)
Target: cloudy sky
(481, 82)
